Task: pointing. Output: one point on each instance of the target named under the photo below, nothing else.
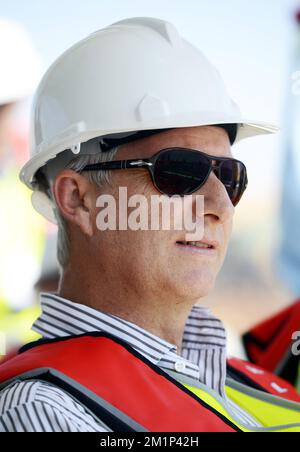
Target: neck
(164, 317)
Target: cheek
(130, 249)
(141, 183)
(137, 181)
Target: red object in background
(269, 344)
(260, 379)
(298, 16)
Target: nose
(217, 203)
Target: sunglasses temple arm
(103, 166)
(118, 164)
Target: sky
(251, 43)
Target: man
(126, 346)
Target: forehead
(212, 140)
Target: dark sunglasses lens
(233, 175)
(180, 172)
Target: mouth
(204, 246)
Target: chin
(196, 285)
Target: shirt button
(179, 366)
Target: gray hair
(99, 178)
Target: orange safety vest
(120, 386)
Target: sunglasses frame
(149, 164)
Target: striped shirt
(40, 406)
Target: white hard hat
(134, 75)
(19, 62)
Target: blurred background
(256, 47)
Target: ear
(74, 197)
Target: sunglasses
(181, 171)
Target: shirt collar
(203, 330)
(61, 317)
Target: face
(154, 263)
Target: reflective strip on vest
(270, 411)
